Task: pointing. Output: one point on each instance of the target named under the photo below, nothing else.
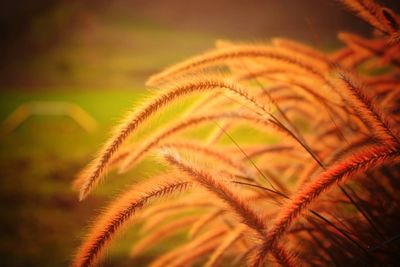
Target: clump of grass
(326, 193)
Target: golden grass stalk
(238, 206)
(129, 159)
(192, 201)
(391, 20)
(250, 192)
(194, 255)
(230, 240)
(153, 221)
(278, 57)
(156, 215)
(294, 208)
(91, 175)
(360, 45)
(283, 257)
(162, 233)
(370, 114)
(132, 158)
(303, 49)
(366, 49)
(336, 154)
(120, 212)
(367, 10)
(247, 215)
(216, 153)
(269, 149)
(203, 222)
(187, 251)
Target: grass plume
(292, 156)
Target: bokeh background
(93, 57)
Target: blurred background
(70, 69)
